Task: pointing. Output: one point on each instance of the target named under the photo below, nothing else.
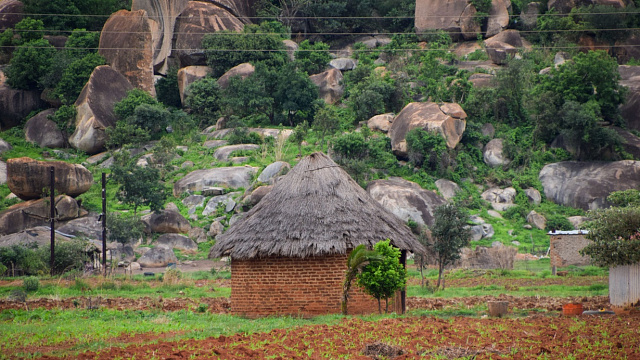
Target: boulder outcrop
(230, 177)
(447, 119)
(197, 19)
(15, 104)
(243, 71)
(381, 122)
(586, 185)
(11, 12)
(162, 16)
(44, 132)
(127, 45)
(95, 108)
(329, 83)
(27, 177)
(187, 76)
(159, 256)
(498, 17)
(167, 221)
(33, 213)
(406, 199)
(223, 153)
(440, 15)
(493, 153)
(177, 241)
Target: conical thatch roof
(316, 210)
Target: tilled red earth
(537, 336)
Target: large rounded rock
(586, 185)
(343, 64)
(482, 80)
(188, 75)
(32, 213)
(177, 241)
(162, 19)
(226, 200)
(406, 199)
(500, 199)
(630, 142)
(272, 171)
(243, 71)
(44, 132)
(493, 153)
(630, 110)
(256, 195)
(197, 19)
(498, 17)
(447, 188)
(95, 108)
(10, 13)
(27, 177)
(469, 25)
(87, 226)
(159, 256)
(127, 45)
(330, 86)
(446, 119)
(536, 220)
(223, 153)
(3, 172)
(439, 15)
(381, 122)
(529, 15)
(15, 105)
(4, 146)
(167, 221)
(230, 177)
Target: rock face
(10, 13)
(447, 188)
(5, 146)
(272, 171)
(529, 15)
(27, 177)
(95, 108)
(43, 132)
(329, 83)
(230, 177)
(534, 196)
(32, 213)
(226, 200)
(503, 45)
(493, 153)
(162, 19)
(222, 153)
(630, 110)
(439, 15)
(157, 257)
(167, 221)
(88, 226)
(469, 27)
(500, 199)
(243, 70)
(498, 17)
(447, 119)
(264, 132)
(197, 19)
(381, 122)
(127, 44)
(536, 220)
(188, 75)
(177, 241)
(406, 199)
(343, 64)
(586, 185)
(256, 195)
(3, 172)
(16, 104)
(481, 80)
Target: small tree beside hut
(381, 279)
(449, 235)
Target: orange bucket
(572, 309)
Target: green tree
(381, 279)
(30, 62)
(295, 95)
(125, 133)
(203, 99)
(82, 43)
(625, 198)
(326, 122)
(449, 234)
(138, 186)
(248, 99)
(167, 89)
(74, 14)
(312, 58)
(124, 229)
(65, 118)
(153, 118)
(127, 106)
(427, 149)
(299, 133)
(75, 76)
(615, 236)
(359, 258)
(29, 29)
(226, 49)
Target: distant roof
(570, 232)
(316, 210)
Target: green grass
(495, 290)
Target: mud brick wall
(294, 286)
(565, 250)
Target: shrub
(127, 106)
(203, 99)
(558, 222)
(312, 58)
(75, 76)
(69, 255)
(31, 284)
(30, 62)
(124, 229)
(81, 43)
(29, 29)
(172, 277)
(242, 136)
(167, 89)
(381, 279)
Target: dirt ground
(533, 337)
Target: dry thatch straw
(316, 210)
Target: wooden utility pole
(52, 218)
(104, 223)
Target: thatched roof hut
(288, 253)
(315, 210)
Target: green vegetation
(357, 260)
(382, 278)
(448, 236)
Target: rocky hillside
(523, 113)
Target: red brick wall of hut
(294, 286)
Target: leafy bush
(615, 237)
(82, 43)
(74, 14)
(23, 258)
(428, 149)
(29, 29)
(312, 58)
(75, 76)
(30, 62)
(167, 90)
(31, 284)
(257, 44)
(138, 186)
(558, 222)
(65, 118)
(625, 198)
(203, 99)
(69, 255)
(243, 136)
(127, 106)
(381, 279)
(124, 229)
